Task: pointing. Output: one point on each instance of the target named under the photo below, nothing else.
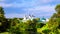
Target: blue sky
(39, 8)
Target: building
(44, 20)
(31, 17)
(28, 17)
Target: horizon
(38, 8)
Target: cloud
(5, 5)
(47, 1)
(38, 9)
(27, 3)
(2, 0)
(14, 5)
(44, 1)
(13, 15)
(16, 15)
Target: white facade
(44, 21)
(29, 17)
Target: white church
(29, 17)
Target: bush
(47, 31)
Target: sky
(38, 8)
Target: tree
(54, 22)
(1, 12)
(56, 16)
(3, 21)
(57, 8)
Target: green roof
(43, 19)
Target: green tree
(57, 8)
(56, 16)
(2, 13)
(3, 21)
(54, 22)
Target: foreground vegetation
(16, 26)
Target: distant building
(28, 17)
(31, 17)
(44, 20)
